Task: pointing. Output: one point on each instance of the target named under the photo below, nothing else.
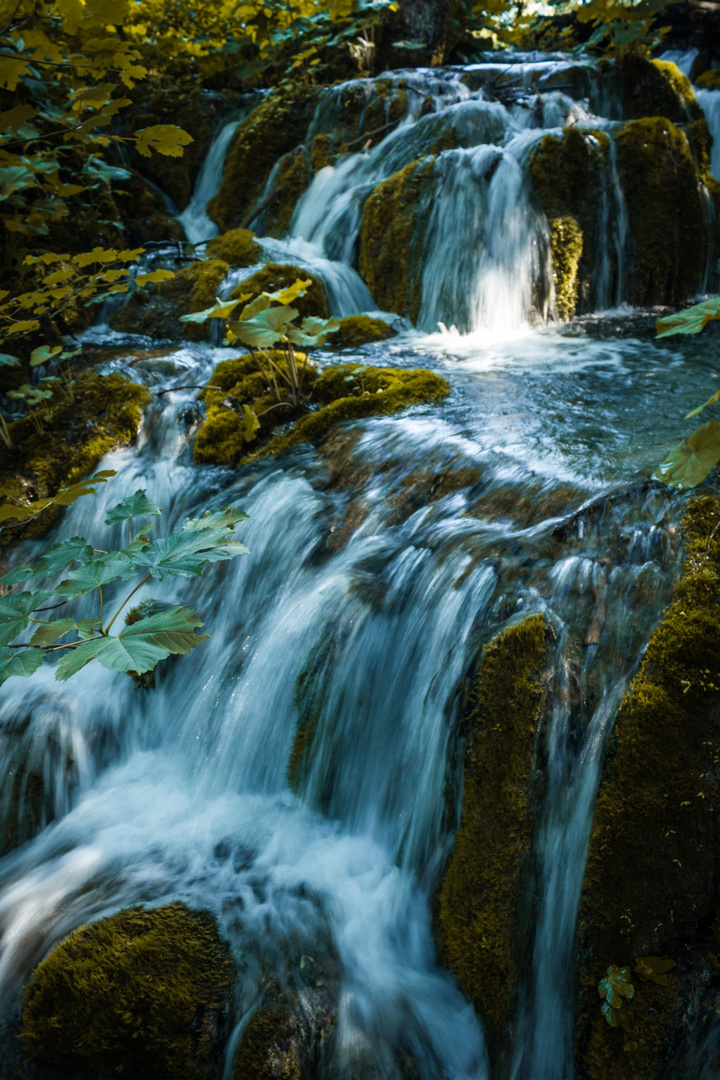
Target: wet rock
(274, 276)
(655, 88)
(358, 330)
(140, 994)
(237, 248)
(156, 310)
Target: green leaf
(24, 662)
(137, 505)
(48, 635)
(183, 553)
(286, 296)
(138, 647)
(67, 496)
(693, 459)
(115, 566)
(264, 329)
(221, 309)
(6, 360)
(313, 332)
(250, 423)
(56, 558)
(9, 510)
(616, 986)
(15, 611)
(710, 401)
(43, 353)
(691, 320)
(154, 276)
(654, 968)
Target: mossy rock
(105, 413)
(144, 993)
(361, 107)
(650, 883)
(667, 242)
(276, 276)
(391, 239)
(709, 80)
(290, 180)
(568, 174)
(156, 309)
(144, 213)
(341, 392)
(358, 330)
(482, 924)
(237, 248)
(273, 129)
(656, 88)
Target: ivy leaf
(15, 611)
(137, 505)
(167, 139)
(654, 968)
(48, 635)
(693, 459)
(23, 663)
(138, 647)
(691, 320)
(263, 330)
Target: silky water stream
(378, 568)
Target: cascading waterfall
(379, 582)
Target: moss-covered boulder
(568, 174)
(275, 276)
(650, 887)
(156, 309)
(709, 80)
(361, 109)
(338, 393)
(273, 129)
(655, 88)
(358, 330)
(483, 923)
(104, 413)
(391, 239)
(667, 241)
(290, 180)
(144, 993)
(237, 248)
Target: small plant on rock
(617, 990)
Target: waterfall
(194, 219)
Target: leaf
(97, 255)
(138, 647)
(654, 968)
(67, 496)
(156, 275)
(56, 558)
(710, 401)
(48, 635)
(221, 309)
(264, 329)
(9, 510)
(250, 423)
(6, 360)
(313, 332)
(691, 320)
(137, 505)
(10, 72)
(115, 566)
(167, 139)
(693, 459)
(183, 553)
(616, 986)
(25, 662)
(15, 611)
(13, 119)
(43, 353)
(286, 296)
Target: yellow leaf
(97, 255)
(130, 255)
(167, 139)
(25, 326)
(156, 275)
(10, 72)
(113, 275)
(13, 119)
(58, 275)
(47, 257)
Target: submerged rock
(140, 994)
(156, 310)
(650, 888)
(483, 923)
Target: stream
(380, 564)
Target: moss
(567, 174)
(140, 993)
(391, 239)
(156, 310)
(268, 1049)
(566, 248)
(340, 394)
(655, 88)
(322, 152)
(710, 79)
(667, 244)
(650, 882)
(291, 180)
(237, 248)
(104, 414)
(357, 330)
(276, 276)
(274, 128)
(480, 918)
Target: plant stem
(128, 597)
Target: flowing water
(378, 568)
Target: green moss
(138, 994)
(481, 924)
(710, 79)
(156, 309)
(357, 330)
(276, 276)
(104, 414)
(322, 152)
(237, 248)
(274, 128)
(340, 394)
(650, 881)
(655, 88)
(291, 181)
(566, 248)
(667, 244)
(568, 174)
(391, 239)
(268, 1049)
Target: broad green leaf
(15, 611)
(14, 577)
(616, 986)
(138, 647)
(56, 558)
(87, 628)
(6, 360)
(264, 329)
(691, 320)
(654, 968)
(286, 296)
(137, 505)
(693, 459)
(184, 552)
(67, 496)
(167, 139)
(115, 566)
(710, 401)
(19, 662)
(48, 635)
(43, 353)
(221, 309)
(313, 332)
